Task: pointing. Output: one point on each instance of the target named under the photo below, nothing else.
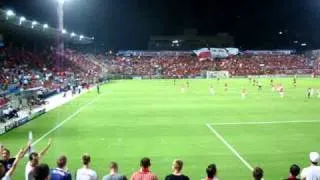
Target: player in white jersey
(211, 90)
(281, 91)
(243, 93)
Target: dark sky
(127, 24)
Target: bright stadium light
(33, 24)
(10, 13)
(280, 32)
(61, 1)
(21, 20)
(45, 26)
(73, 34)
(303, 44)
(64, 31)
(81, 37)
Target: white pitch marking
(265, 122)
(236, 153)
(64, 121)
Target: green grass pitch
(153, 118)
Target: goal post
(217, 74)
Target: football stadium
(188, 106)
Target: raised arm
(19, 156)
(45, 150)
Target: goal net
(217, 74)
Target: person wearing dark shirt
(177, 166)
(41, 172)
(257, 173)
(113, 173)
(7, 161)
(60, 173)
(294, 172)
(211, 172)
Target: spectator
(6, 175)
(113, 173)
(211, 172)
(85, 173)
(257, 173)
(144, 173)
(41, 172)
(313, 171)
(6, 160)
(294, 172)
(34, 159)
(60, 172)
(177, 166)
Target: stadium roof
(9, 21)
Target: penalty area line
(235, 152)
(66, 120)
(265, 122)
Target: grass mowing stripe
(235, 152)
(66, 120)
(265, 122)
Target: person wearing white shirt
(34, 159)
(313, 171)
(85, 173)
(7, 175)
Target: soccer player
(183, 89)
(188, 85)
(7, 175)
(259, 85)
(98, 88)
(253, 82)
(211, 90)
(144, 173)
(174, 82)
(225, 86)
(271, 82)
(281, 91)
(294, 82)
(218, 80)
(309, 93)
(243, 93)
(85, 172)
(177, 166)
(34, 159)
(41, 172)
(60, 172)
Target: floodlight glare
(81, 37)
(280, 32)
(303, 44)
(64, 31)
(45, 26)
(10, 13)
(33, 24)
(73, 34)
(61, 1)
(21, 20)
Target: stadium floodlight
(64, 31)
(73, 34)
(295, 42)
(33, 24)
(92, 38)
(22, 19)
(81, 37)
(280, 32)
(303, 44)
(10, 13)
(61, 1)
(45, 26)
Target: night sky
(127, 24)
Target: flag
(203, 54)
(30, 138)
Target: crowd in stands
(35, 170)
(42, 73)
(188, 66)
